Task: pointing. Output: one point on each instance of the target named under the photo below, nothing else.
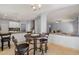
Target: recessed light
(34, 7)
(57, 22)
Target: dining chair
(28, 38)
(5, 38)
(20, 49)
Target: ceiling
(25, 11)
(64, 14)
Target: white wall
(64, 27)
(4, 26)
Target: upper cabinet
(14, 26)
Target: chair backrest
(14, 41)
(44, 35)
(5, 37)
(27, 36)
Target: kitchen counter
(70, 41)
(66, 34)
(16, 32)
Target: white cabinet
(13, 24)
(64, 40)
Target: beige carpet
(52, 50)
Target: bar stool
(44, 41)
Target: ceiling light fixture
(40, 6)
(57, 22)
(36, 6)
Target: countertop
(66, 34)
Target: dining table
(35, 38)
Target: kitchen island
(70, 41)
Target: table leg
(34, 46)
(2, 45)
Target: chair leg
(16, 53)
(28, 51)
(2, 45)
(46, 47)
(42, 49)
(40, 46)
(9, 44)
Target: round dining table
(35, 37)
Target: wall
(64, 27)
(4, 26)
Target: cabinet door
(4, 27)
(23, 27)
